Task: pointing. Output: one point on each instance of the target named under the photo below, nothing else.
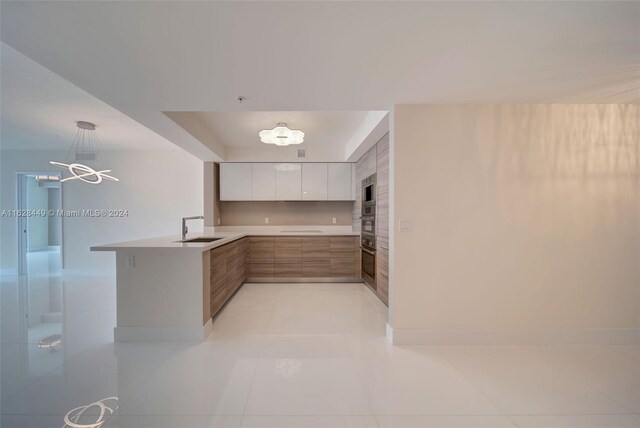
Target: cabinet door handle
(383, 247)
(365, 250)
(382, 274)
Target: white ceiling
(39, 111)
(327, 133)
(330, 128)
(145, 58)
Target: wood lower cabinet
(261, 257)
(316, 256)
(228, 265)
(288, 257)
(303, 257)
(382, 268)
(342, 253)
(382, 219)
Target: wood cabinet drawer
(382, 269)
(218, 299)
(315, 248)
(342, 266)
(261, 270)
(228, 270)
(382, 287)
(288, 270)
(218, 255)
(235, 262)
(342, 245)
(382, 245)
(235, 249)
(288, 261)
(382, 221)
(316, 269)
(261, 249)
(288, 248)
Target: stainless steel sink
(203, 239)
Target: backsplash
(294, 213)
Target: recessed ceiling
(326, 132)
(39, 111)
(329, 128)
(146, 58)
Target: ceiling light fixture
(85, 148)
(281, 135)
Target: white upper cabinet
(235, 182)
(340, 182)
(314, 181)
(268, 181)
(264, 182)
(288, 182)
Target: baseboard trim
(310, 280)
(163, 334)
(512, 337)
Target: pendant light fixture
(281, 135)
(85, 157)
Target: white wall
(157, 187)
(526, 219)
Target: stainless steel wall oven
(368, 231)
(369, 266)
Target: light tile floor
(300, 355)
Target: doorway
(39, 197)
(40, 286)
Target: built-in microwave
(369, 210)
(368, 225)
(369, 191)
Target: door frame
(21, 222)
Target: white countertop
(173, 241)
(226, 236)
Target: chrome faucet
(185, 229)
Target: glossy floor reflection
(298, 355)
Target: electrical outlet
(131, 261)
(335, 220)
(266, 220)
(218, 221)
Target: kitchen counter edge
(173, 242)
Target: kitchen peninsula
(169, 290)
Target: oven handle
(368, 251)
